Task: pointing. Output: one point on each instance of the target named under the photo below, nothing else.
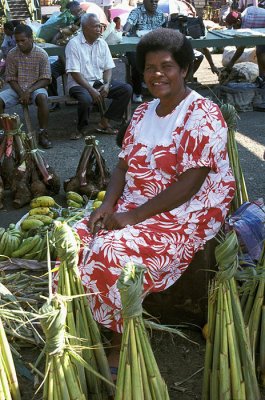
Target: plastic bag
(248, 222)
(189, 26)
(111, 36)
(57, 20)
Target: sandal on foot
(75, 136)
(108, 130)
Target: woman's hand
(118, 220)
(95, 222)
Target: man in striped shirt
(28, 74)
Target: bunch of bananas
(10, 240)
(74, 200)
(99, 199)
(41, 213)
(35, 248)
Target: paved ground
(65, 154)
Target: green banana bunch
(29, 247)
(74, 200)
(10, 241)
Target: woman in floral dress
(171, 188)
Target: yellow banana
(26, 246)
(43, 218)
(42, 201)
(40, 211)
(75, 197)
(28, 224)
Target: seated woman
(170, 190)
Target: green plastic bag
(57, 20)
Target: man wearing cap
(252, 17)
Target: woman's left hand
(118, 220)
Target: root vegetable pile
(23, 169)
(92, 175)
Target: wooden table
(213, 39)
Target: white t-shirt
(91, 60)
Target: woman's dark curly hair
(168, 40)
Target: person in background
(243, 4)
(89, 67)
(58, 66)
(171, 188)
(28, 74)
(145, 17)
(252, 17)
(9, 41)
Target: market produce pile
(23, 169)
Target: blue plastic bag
(249, 223)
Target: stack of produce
(253, 305)
(61, 373)
(29, 240)
(241, 195)
(74, 200)
(79, 321)
(138, 374)
(9, 389)
(229, 371)
(91, 174)
(23, 168)
(10, 241)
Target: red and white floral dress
(158, 150)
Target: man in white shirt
(89, 67)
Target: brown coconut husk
(22, 194)
(53, 185)
(37, 187)
(7, 171)
(72, 185)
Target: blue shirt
(140, 20)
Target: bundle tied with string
(253, 306)
(23, 167)
(229, 371)
(138, 374)
(80, 323)
(61, 375)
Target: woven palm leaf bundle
(139, 377)
(229, 371)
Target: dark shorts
(260, 49)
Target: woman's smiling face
(163, 76)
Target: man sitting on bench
(28, 74)
(88, 65)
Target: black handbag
(189, 26)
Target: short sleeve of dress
(126, 143)
(204, 139)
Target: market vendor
(170, 191)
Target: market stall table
(214, 38)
